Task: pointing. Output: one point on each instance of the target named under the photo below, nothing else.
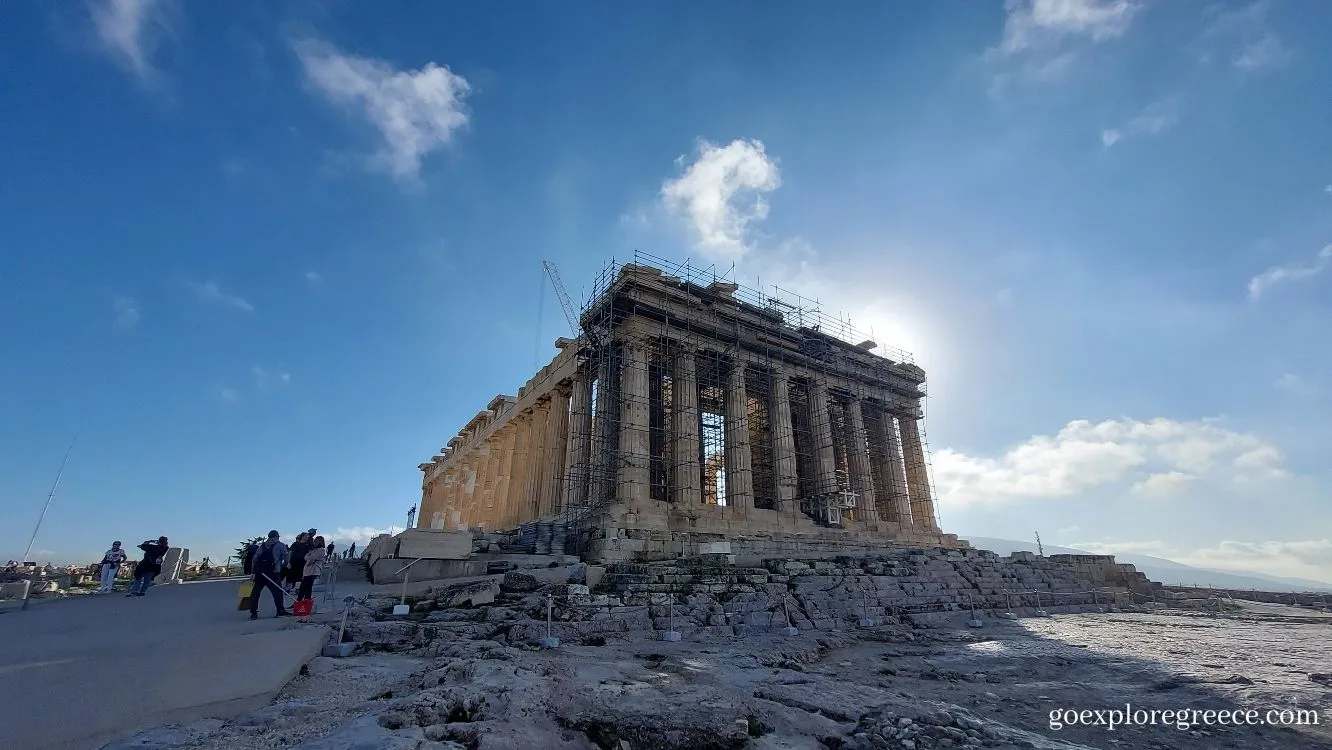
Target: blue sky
(264, 259)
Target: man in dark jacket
(148, 568)
(268, 560)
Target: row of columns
(552, 455)
(907, 500)
(513, 476)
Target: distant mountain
(1167, 571)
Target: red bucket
(303, 607)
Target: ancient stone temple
(691, 411)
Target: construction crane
(563, 296)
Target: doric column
(557, 438)
(506, 468)
(783, 442)
(634, 474)
(917, 474)
(605, 433)
(858, 450)
(825, 482)
(489, 480)
(578, 450)
(739, 471)
(898, 501)
(521, 465)
(687, 473)
(536, 470)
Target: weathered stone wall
(708, 597)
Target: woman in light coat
(314, 562)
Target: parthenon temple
(690, 411)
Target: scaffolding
(755, 360)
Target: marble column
(739, 470)
(825, 483)
(894, 496)
(634, 476)
(578, 449)
(917, 474)
(605, 435)
(489, 480)
(783, 443)
(687, 473)
(557, 438)
(862, 482)
(506, 467)
(536, 452)
(521, 464)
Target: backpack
(265, 559)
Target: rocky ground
(470, 678)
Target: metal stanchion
(338, 648)
(550, 641)
(974, 622)
(786, 607)
(865, 620)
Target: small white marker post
(865, 620)
(671, 634)
(550, 641)
(401, 607)
(789, 629)
(974, 622)
(340, 649)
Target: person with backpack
(148, 568)
(111, 563)
(271, 557)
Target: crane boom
(565, 303)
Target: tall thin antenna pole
(541, 304)
(49, 497)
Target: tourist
(148, 568)
(268, 560)
(351, 551)
(296, 565)
(314, 562)
(111, 562)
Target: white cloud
(1296, 385)
(127, 312)
(1086, 455)
(1306, 559)
(264, 378)
(1163, 484)
(228, 395)
(1042, 39)
(721, 194)
(1253, 45)
(416, 111)
(130, 31)
(210, 293)
(1032, 23)
(1263, 282)
(1153, 547)
(1153, 120)
(360, 534)
(314, 278)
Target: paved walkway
(85, 671)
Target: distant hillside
(1167, 571)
